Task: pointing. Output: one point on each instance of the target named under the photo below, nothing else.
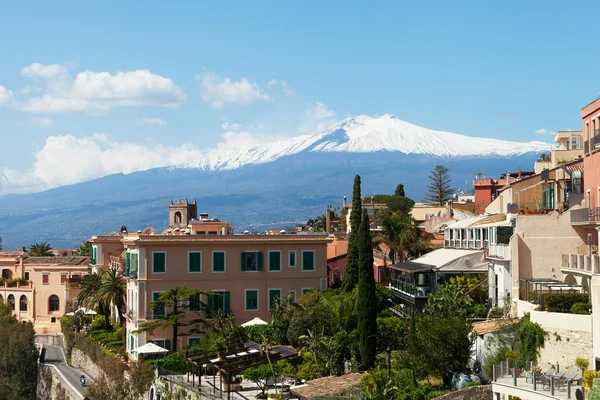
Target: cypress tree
(366, 302)
(351, 268)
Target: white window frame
(152, 299)
(269, 296)
(269, 261)
(295, 258)
(246, 299)
(156, 252)
(188, 260)
(212, 262)
(314, 261)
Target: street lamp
(388, 355)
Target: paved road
(55, 356)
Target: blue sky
(221, 73)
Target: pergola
(541, 286)
(242, 356)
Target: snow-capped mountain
(366, 134)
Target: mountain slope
(366, 134)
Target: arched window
(1, 299)
(177, 217)
(11, 302)
(23, 303)
(53, 303)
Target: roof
(465, 223)
(338, 257)
(57, 260)
(411, 266)
(11, 254)
(485, 327)
(454, 260)
(330, 385)
(181, 239)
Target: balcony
(411, 289)
(584, 216)
(587, 264)
(501, 251)
(466, 244)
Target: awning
(465, 223)
(455, 260)
(255, 321)
(411, 266)
(150, 348)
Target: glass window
(159, 262)
(54, 303)
(218, 261)
(26, 275)
(251, 299)
(11, 302)
(219, 301)
(195, 302)
(274, 295)
(306, 290)
(308, 260)
(45, 278)
(251, 261)
(194, 261)
(292, 258)
(193, 341)
(23, 303)
(274, 261)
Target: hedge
(562, 303)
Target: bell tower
(181, 213)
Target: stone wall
(83, 362)
(53, 386)
(55, 339)
(564, 346)
(480, 392)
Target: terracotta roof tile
(485, 327)
(57, 260)
(330, 385)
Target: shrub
(173, 362)
(479, 311)
(582, 363)
(562, 303)
(588, 378)
(581, 308)
(98, 322)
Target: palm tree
(312, 341)
(42, 249)
(403, 238)
(113, 290)
(319, 223)
(83, 250)
(89, 297)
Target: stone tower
(181, 213)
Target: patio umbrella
(150, 348)
(255, 321)
(86, 311)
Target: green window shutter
(273, 295)
(210, 304)
(168, 344)
(195, 262)
(226, 303)
(159, 262)
(94, 254)
(158, 311)
(274, 261)
(308, 261)
(127, 263)
(252, 300)
(219, 261)
(259, 262)
(243, 261)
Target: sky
(94, 88)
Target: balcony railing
(411, 289)
(585, 215)
(499, 251)
(555, 384)
(466, 244)
(581, 262)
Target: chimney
(203, 216)
(345, 200)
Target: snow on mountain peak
(365, 134)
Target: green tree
(178, 302)
(439, 189)
(350, 278)
(319, 223)
(113, 289)
(366, 302)
(89, 296)
(449, 300)
(399, 191)
(83, 250)
(259, 375)
(402, 237)
(142, 376)
(42, 249)
(531, 338)
(18, 358)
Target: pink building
(247, 271)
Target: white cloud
(545, 131)
(37, 70)
(42, 122)
(233, 127)
(66, 159)
(318, 118)
(99, 92)
(152, 121)
(220, 92)
(287, 89)
(6, 96)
